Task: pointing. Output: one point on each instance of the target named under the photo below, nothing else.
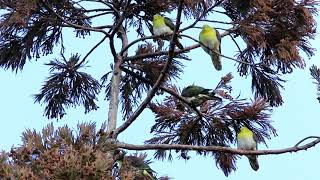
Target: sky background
(297, 118)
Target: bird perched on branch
(210, 41)
(246, 140)
(138, 164)
(197, 95)
(162, 26)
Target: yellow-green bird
(139, 164)
(246, 140)
(163, 25)
(211, 42)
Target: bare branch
(220, 22)
(92, 49)
(218, 148)
(98, 10)
(115, 84)
(88, 17)
(236, 43)
(116, 78)
(306, 138)
(114, 96)
(114, 30)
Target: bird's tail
(149, 174)
(253, 160)
(213, 95)
(216, 61)
(179, 45)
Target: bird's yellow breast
(245, 139)
(208, 34)
(158, 22)
(245, 133)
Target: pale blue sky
(296, 119)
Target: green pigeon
(210, 40)
(247, 140)
(140, 165)
(197, 95)
(163, 25)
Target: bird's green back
(169, 23)
(194, 91)
(138, 162)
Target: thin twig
(140, 39)
(220, 22)
(92, 49)
(235, 42)
(97, 10)
(304, 139)
(110, 5)
(159, 53)
(72, 24)
(87, 17)
(198, 19)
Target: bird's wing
(191, 91)
(136, 161)
(255, 138)
(169, 23)
(219, 39)
(206, 91)
(139, 163)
